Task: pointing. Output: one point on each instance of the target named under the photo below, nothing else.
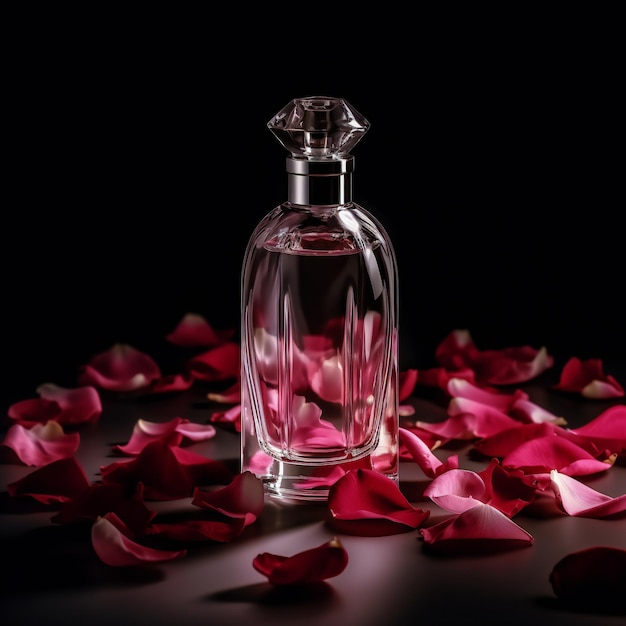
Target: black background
(139, 162)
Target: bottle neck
(323, 182)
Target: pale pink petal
(243, 497)
(231, 417)
(230, 395)
(480, 529)
(311, 566)
(196, 432)
(193, 330)
(58, 481)
(80, 405)
(543, 454)
(462, 388)
(526, 411)
(364, 502)
(456, 490)
(216, 364)
(111, 541)
(487, 421)
(580, 500)
(120, 368)
(423, 455)
(41, 444)
(587, 378)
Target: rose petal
(230, 395)
(243, 497)
(487, 420)
(99, 499)
(120, 368)
(171, 383)
(144, 432)
(543, 454)
(33, 411)
(502, 443)
(80, 405)
(478, 530)
(193, 330)
(58, 481)
(423, 456)
(232, 417)
(406, 384)
(508, 490)
(606, 431)
(364, 502)
(41, 444)
(587, 378)
(311, 566)
(197, 528)
(111, 541)
(592, 579)
(456, 490)
(216, 364)
(580, 500)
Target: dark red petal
(58, 481)
(311, 566)
(217, 364)
(33, 411)
(592, 579)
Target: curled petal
(33, 411)
(423, 455)
(607, 431)
(462, 388)
(364, 502)
(80, 405)
(243, 497)
(171, 383)
(508, 490)
(58, 481)
(193, 330)
(592, 579)
(216, 364)
(231, 395)
(543, 454)
(407, 382)
(120, 368)
(440, 377)
(481, 528)
(482, 420)
(456, 490)
(311, 566)
(111, 541)
(41, 444)
(528, 412)
(580, 500)
(502, 443)
(587, 378)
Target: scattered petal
(592, 579)
(580, 500)
(231, 395)
(41, 444)
(480, 529)
(58, 481)
(456, 490)
(231, 417)
(120, 368)
(216, 364)
(423, 455)
(172, 383)
(407, 382)
(193, 330)
(112, 543)
(311, 566)
(587, 378)
(364, 502)
(605, 432)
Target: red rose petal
(587, 378)
(364, 502)
(217, 364)
(58, 481)
(607, 431)
(311, 566)
(33, 411)
(423, 456)
(592, 579)
(112, 543)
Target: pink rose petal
(587, 378)
(311, 566)
(423, 456)
(58, 481)
(243, 497)
(543, 454)
(231, 417)
(41, 444)
(120, 368)
(33, 411)
(364, 502)
(193, 330)
(111, 541)
(592, 579)
(580, 500)
(406, 384)
(456, 490)
(605, 432)
(478, 530)
(80, 405)
(171, 383)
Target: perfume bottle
(319, 334)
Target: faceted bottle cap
(318, 127)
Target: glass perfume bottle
(319, 338)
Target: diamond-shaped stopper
(318, 127)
